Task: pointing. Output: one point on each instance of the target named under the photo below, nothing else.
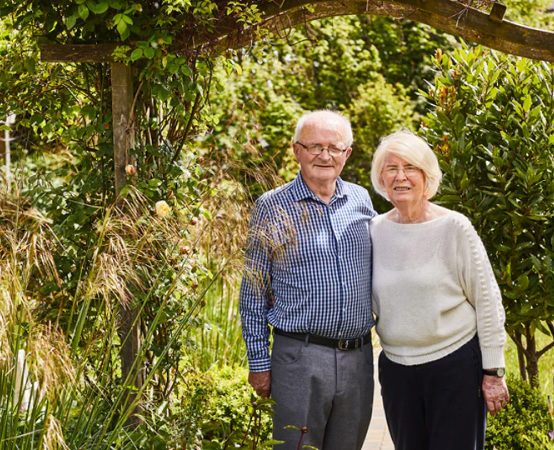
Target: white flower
(162, 209)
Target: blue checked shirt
(307, 267)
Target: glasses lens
(408, 170)
(314, 149)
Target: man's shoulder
(276, 196)
(355, 189)
(358, 195)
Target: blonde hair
(345, 122)
(413, 150)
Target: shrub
(522, 423)
(230, 412)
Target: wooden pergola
(487, 29)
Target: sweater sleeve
(482, 291)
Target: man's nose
(325, 155)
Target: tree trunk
(520, 356)
(532, 358)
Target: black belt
(341, 344)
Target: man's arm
(254, 303)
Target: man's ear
(348, 153)
(296, 149)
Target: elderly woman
(440, 316)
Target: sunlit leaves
(503, 176)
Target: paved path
(378, 437)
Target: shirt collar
(301, 191)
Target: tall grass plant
(60, 372)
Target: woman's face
(403, 182)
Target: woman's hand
(495, 392)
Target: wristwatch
(499, 372)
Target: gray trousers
(327, 390)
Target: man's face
(322, 168)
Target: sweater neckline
(414, 226)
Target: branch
(519, 344)
(545, 349)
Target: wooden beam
(497, 12)
(85, 53)
(446, 15)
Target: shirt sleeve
(255, 292)
(482, 291)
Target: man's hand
(495, 392)
(261, 382)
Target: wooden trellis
(488, 29)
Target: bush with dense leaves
(522, 422)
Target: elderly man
(308, 275)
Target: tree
(361, 66)
(66, 172)
(491, 122)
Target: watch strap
(499, 372)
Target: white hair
(343, 120)
(412, 149)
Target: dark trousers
(437, 405)
(325, 389)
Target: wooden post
(123, 140)
(123, 136)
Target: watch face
(500, 372)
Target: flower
(130, 169)
(162, 209)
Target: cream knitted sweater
(433, 289)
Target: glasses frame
(330, 149)
(409, 171)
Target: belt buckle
(344, 344)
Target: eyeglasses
(408, 170)
(317, 149)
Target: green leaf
(161, 92)
(70, 22)
(271, 442)
(30, 65)
(121, 27)
(137, 54)
(83, 11)
(527, 103)
(522, 282)
(536, 263)
(149, 52)
(98, 8)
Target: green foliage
(530, 12)
(236, 417)
(362, 66)
(491, 123)
(218, 340)
(524, 423)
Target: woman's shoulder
(458, 224)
